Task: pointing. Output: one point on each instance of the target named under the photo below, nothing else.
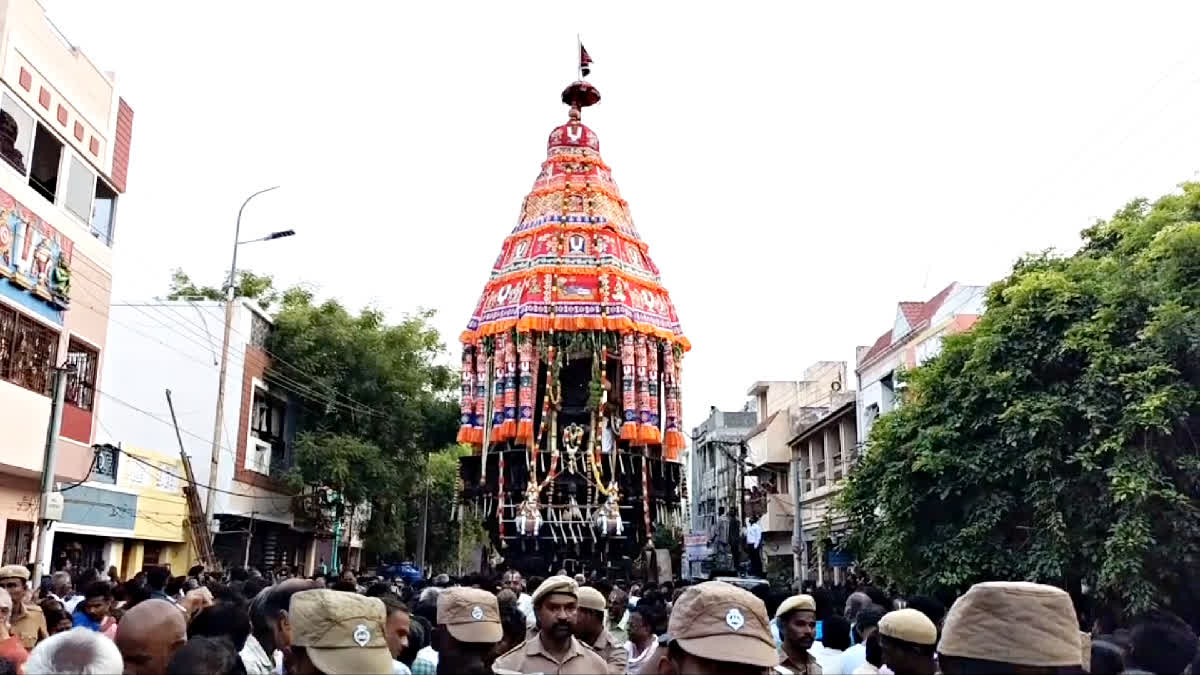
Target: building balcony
(780, 514)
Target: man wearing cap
(907, 639)
(27, 621)
(554, 649)
(589, 627)
(719, 629)
(1000, 626)
(468, 627)
(797, 621)
(336, 633)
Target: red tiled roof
(917, 314)
(912, 312)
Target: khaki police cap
(470, 614)
(908, 625)
(555, 584)
(1013, 622)
(719, 621)
(802, 603)
(342, 633)
(590, 598)
(14, 571)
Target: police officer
(336, 633)
(554, 649)
(27, 622)
(719, 629)
(797, 621)
(468, 627)
(589, 627)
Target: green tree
(375, 401)
(442, 545)
(260, 288)
(1057, 440)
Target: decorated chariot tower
(571, 374)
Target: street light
(230, 296)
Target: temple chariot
(571, 375)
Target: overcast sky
(796, 168)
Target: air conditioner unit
(259, 458)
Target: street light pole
(219, 422)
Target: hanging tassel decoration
(525, 352)
(510, 387)
(498, 385)
(629, 431)
(467, 402)
(650, 432)
(645, 433)
(481, 395)
(674, 443)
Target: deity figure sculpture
(608, 517)
(530, 513)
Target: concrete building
(64, 144)
(781, 408)
(915, 336)
(713, 474)
(128, 514)
(159, 345)
(824, 451)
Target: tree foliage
(1057, 440)
(375, 401)
(260, 288)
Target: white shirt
(754, 535)
(853, 658)
(428, 654)
(70, 603)
(399, 668)
(255, 658)
(525, 604)
(829, 659)
(634, 667)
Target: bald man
(148, 636)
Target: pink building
(64, 156)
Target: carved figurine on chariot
(530, 512)
(608, 516)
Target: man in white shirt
(516, 583)
(866, 623)
(835, 639)
(753, 542)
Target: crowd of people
(244, 622)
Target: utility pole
(230, 296)
(425, 519)
(49, 457)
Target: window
(167, 481)
(265, 445)
(81, 184)
(104, 469)
(46, 162)
(103, 211)
(81, 384)
(16, 134)
(27, 351)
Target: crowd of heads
(243, 621)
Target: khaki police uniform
(797, 603)
(342, 633)
(1013, 622)
(721, 622)
(531, 656)
(31, 626)
(470, 615)
(606, 645)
